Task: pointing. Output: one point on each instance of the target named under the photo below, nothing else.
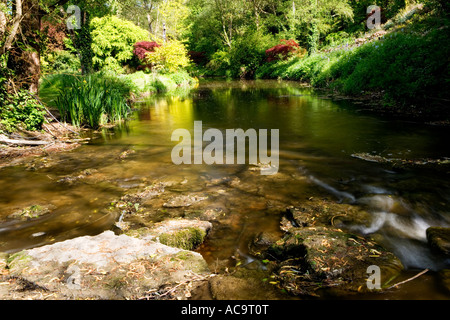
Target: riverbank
(56, 135)
(19, 147)
(400, 71)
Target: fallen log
(22, 142)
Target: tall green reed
(93, 100)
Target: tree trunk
(31, 25)
(82, 41)
(149, 21)
(15, 28)
(2, 24)
(23, 45)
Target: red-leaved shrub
(282, 50)
(142, 47)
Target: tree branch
(16, 23)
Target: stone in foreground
(105, 266)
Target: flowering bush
(283, 50)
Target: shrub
(112, 42)
(20, 110)
(60, 61)
(283, 50)
(248, 53)
(220, 63)
(338, 38)
(142, 47)
(182, 78)
(171, 57)
(54, 35)
(198, 57)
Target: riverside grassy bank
(400, 70)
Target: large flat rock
(105, 266)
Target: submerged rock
(312, 258)
(93, 174)
(183, 201)
(105, 266)
(32, 212)
(261, 242)
(229, 287)
(445, 278)
(439, 239)
(324, 213)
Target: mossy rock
(105, 266)
(319, 257)
(187, 239)
(192, 262)
(439, 239)
(323, 213)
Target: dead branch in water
(407, 280)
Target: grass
(408, 67)
(156, 82)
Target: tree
(81, 33)
(112, 42)
(315, 18)
(143, 13)
(20, 57)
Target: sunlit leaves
(113, 40)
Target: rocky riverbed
(158, 245)
(144, 259)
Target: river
(318, 140)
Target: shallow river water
(318, 141)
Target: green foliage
(248, 53)
(170, 57)
(313, 38)
(93, 100)
(112, 42)
(155, 82)
(220, 63)
(83, 43)
(182, 78)
(406, 67)
(60, 61)
(337, 38)
(20, 110)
